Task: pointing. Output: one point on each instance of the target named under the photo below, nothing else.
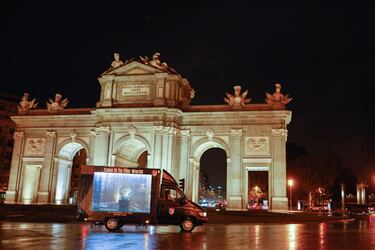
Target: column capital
(18, 135)
(169, 130)
(280, 132)
(100, 131)
(158, 129)
(236, 132)
(184, 133)
(51, 133)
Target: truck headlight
(203, 214)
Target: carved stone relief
(257, 146)
(132, 131)
(73, 135)
(210, 134)
(35, 146)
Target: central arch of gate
(131, 151)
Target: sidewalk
(38, 213)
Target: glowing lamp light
(290, 182)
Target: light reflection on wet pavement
(359, 234)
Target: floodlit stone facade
(144, 112)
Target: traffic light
(181, 184)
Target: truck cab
(175, 209)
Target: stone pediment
(134, 68)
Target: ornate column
(158, 131)
(194, 180)
(361, 193)
(15, 171)
(45, 184)
(279, 200)
(234, 196)
(54, 179)
(168, 149)
(91, 147)
(343, 197)
(184, 161)
(100, 146)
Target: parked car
(357, 209)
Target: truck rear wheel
(112, 224)
(187, 225)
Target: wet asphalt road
(359, 234)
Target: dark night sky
(322, 56)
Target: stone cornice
(238, 117)
(55, 121)
(134, 112)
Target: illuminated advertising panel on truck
(119, 192)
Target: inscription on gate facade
(136, 90)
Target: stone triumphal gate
(144, 119)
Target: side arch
(198, 150)
(65, 153)
(63, 144)
(204, 144)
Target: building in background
(8, 107)
(204, 182)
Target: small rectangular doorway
(257, 190)
(30, 185)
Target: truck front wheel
(112, 224)
(187, 225)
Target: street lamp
(290, 184)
